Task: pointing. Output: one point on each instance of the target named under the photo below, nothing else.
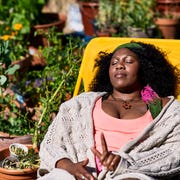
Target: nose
(120, 66)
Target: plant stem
(36, 134)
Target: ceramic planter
(23, 150)
(22, 174)
(168, 27)
(136, 32)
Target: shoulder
(176, 104)
(172, 104)
(165, 100)
(85, 98)
(87, 95)
(81, 103)
(169, 99)
(90, 94)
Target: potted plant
(140, 18)
(48, 20)
(168, 26)
(110, 18)
(103, 18)
(168, 19)
(22, 166)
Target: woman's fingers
(96, 152)
(114, 163)
(107, 159)
(105, 156)
(103, 143)
(81, 172)
(104, 148)
(85, 162)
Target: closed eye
(129, 59)
(114, 61)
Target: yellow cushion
(86, 73)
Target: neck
(126, 99)
(136, 95)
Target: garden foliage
(29, 102)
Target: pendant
(126, 105)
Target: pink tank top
(117, 132)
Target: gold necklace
(125, 103)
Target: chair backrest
(108, 44)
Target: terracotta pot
(33, 60)
(24, 174)
(53, 20)
(168, 27)
(89, 11)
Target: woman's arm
(62, 143)
(78, 170)
(55, 144)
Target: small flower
(27, 82)
(6, 37)
(148, 94)
(49, 78)
(17, 26)
(38, 82)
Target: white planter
(18, 150)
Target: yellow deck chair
(86, 73)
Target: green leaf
(155, 108)
(12, 70)
(3, 79)
(11, 121)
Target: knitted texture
(155, 152)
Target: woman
(126, 127)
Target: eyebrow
(127, 56)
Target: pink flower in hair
(148, 94)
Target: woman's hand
(108, 160)
(78, 170)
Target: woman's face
(123, 70)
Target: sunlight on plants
(30, 102)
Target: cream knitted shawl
(156, 152)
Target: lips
(120, 75)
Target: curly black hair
(155, 70)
